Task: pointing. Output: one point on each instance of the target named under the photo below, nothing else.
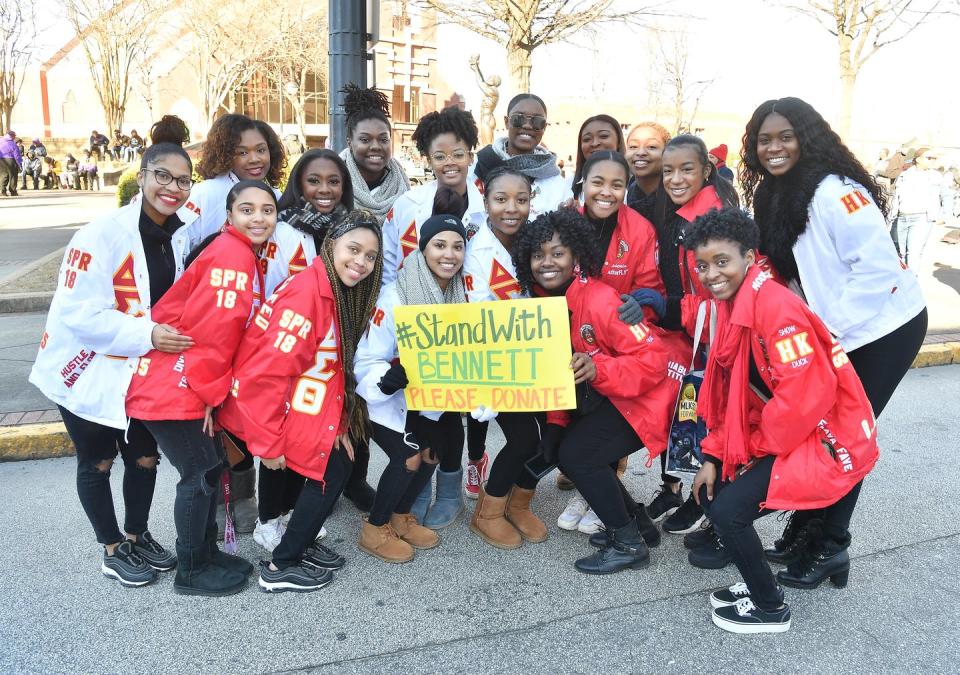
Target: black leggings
(522, 431)
(277, 489)
(476, 439)
(97, 446)
(591, 447)
(313, 506)
(881, 365)
(444, 438)
(399, 484)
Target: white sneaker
(285, 518)
(590, 523)
(576, 507)
(270, 533)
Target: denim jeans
(97, 446)
(913, 231)
(199, 460)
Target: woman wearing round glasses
(446, 139)
(520, 150)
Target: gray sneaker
(127, 567)
(153, 553)
(297, 578)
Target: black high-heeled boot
(827, 558)
(797, 537)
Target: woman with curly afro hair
(790, 425)
(446, 139)
(237, 148)
(625, 387)
(822, 224)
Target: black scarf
(780, 207)
(308, 220)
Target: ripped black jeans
(199, 460)
(97, 447)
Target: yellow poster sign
(509, 355)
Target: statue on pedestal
(489, 87)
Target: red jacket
(704, 201)
(288, 387)
(639, 368)
(819, 423)
(211, 303)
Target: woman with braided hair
(446, 139)
(294, 395)
(822, 224)
(378, 179)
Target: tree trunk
(519, 63)
(848, 80)
(7, 114)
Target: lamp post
(348, 54)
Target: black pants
(881, 365)
(97, 446)
(591, 447)
(476, 439)
(399, 485)
(199, 460)
(444, 438)
(312, 509)
(734, 507)
(8, 175)
(277, 489)
(522, 431)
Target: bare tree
(862, 28)
(523, 25)
(673, 88)
(298, 49)
(18, 30)
(115, 35)
(225, 49)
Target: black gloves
(393, 380)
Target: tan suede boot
(521, 517)
(412, 532)
(382, 542)
(490, 525)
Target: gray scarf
(378, 201)
(537, 165)
(416, 284)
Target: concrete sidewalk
(466, 607)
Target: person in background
(32, 167)
(822, 227)
(99, 144)
(645, 144)
(51, 177)
(89, 171)
(918, 205)
(10, 160)
(70, 178)
(718, 157)
(134, 147)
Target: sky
(752, 51)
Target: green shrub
(127, 186)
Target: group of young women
(225, 321)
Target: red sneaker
(476, 475)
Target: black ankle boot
(627, 549)
(827, 558)
(648, 530)
(234, 563)
(196, 575)
(795, 539)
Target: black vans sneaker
(322, 557)
(711, 556)
(665, 502)
(729, 596)
(685, 519)
(154, 554)
(745, 618)
(127, 567)
(298, 578)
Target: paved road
(465, 607)
(37, 223)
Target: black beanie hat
(442, 222)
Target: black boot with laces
(827, 558)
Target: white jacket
(99, 321)
(545, 194)
(287, 252)
(851, 274)
(488, 269)
(401, 229)
(375, 355)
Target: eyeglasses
(536, 122)
(456, 156)
(164, 178)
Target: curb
(46, 441)
(15, 303)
